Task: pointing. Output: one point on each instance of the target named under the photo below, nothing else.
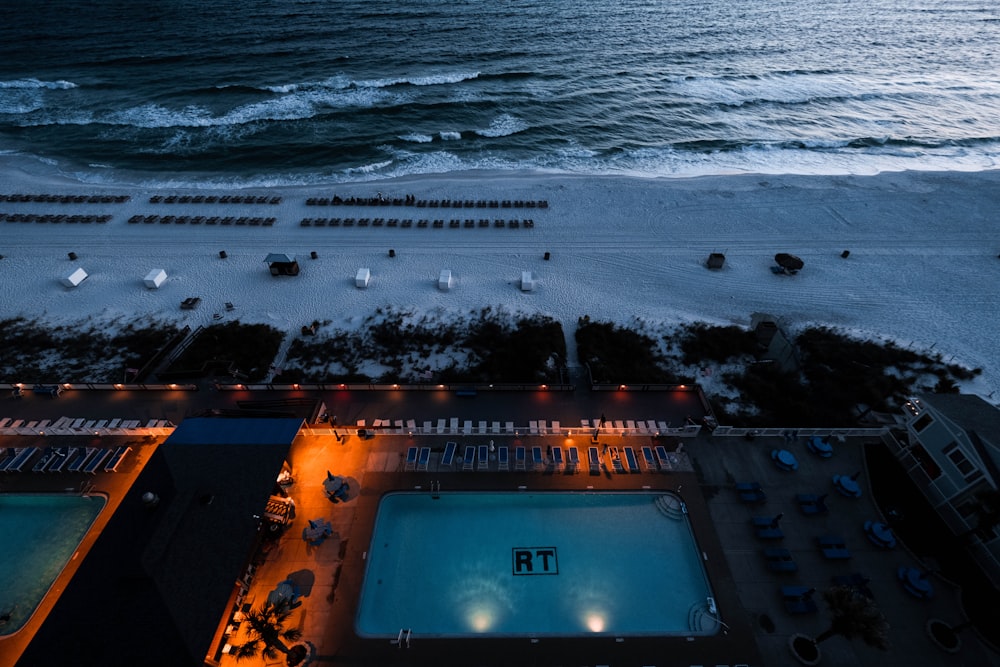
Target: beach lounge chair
(411, 425)
(116, 459)
(453, 425)
(780, 560)
(448, 458)
(97, 461)
(83, 455)
(833, 547)
(509, 427)
(533, 427)
(537, 461)
(482, 428)
(662, 458)
(469, 457)
(494, 427)
(483, 462)
(647, 456)
(631, 462)
(630, 425)
(466, 426)
(7, 457)
(22, 459)
(66, 454)
(750, 493)
(503, 458)
(411, 458)
(557, 458)
(573, 459)
(595, 460)
(556, 428)
(44, 460)
(616, 460)
(519, 458)
(423, 458)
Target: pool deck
(747, 594)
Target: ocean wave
(35, 84)
(417, 138)
(503, 125)
(450, 136)
(341, 82)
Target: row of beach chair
(426, 203)
(624, 460)
(54, 218)
(407, 223)
(241, 221)
(213, 199)
(71, 426)
(90, 460)
(64, 199)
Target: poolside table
(847, 486)
(820, 447)
(880, 534)
(915, 582)
(784, 459)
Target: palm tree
(854, 615)
(267, 634)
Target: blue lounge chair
(616, 460)
(83, 455)
(63, 455)
(647, 456)
(780, 560)
(537, 461)
(519, 458)
(557, 458)
(8, 457)
(95, 463)
(469, 458)
(116, 459)
(424, 458)
(448, 458)
(663, 458)
(483, 462)
(631, 461)
(573, 460)
(411, 458)
(26, 454)
(44, 460)
(595, 461)
(503, 458)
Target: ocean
(311, 91)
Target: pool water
(534, 564)
(40, 535)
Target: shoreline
(923, 254)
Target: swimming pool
(461, 564)
(41, 533)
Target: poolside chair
(67, 455)
(780, 560)
(751, 493)
(647, 456)
(509, 427)
(484, 458)
(616, 460)
(557, 458)
(537, 461)
(411, 458)
(22, 459)
(482, 427)
(7, 457)
(467, 427)
(453, 425)
(662, 458)
(494, 427)
(469, 458)
(503, 458)
(44, 460)
(556, 428)
(533, 427)
(449, 453)
(595, 460)
(573, 459)
(424, 458)
(631, 462)
(519, 458)
(83, 455)
(97, 461)
(116, 459)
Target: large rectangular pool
(461, 564)
(41, 533)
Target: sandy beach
(922, 267)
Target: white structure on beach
(74, 277)
(445, 281)
(527, 281)
(154, 278)
(363, 277)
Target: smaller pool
(40, 534)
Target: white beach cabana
(445, 281)
(74, 277)
(154, 278)
(527, 281)
(362, 278)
